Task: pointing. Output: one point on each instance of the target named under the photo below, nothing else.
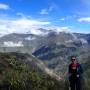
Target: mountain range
(52, 47)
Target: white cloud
(13, 44)
(52, 7)
(4, 6)
(83, 40)
(58, 29)
(44, 11)
(63, 29)
(62, 19)
(20, 14)
(84, 19)
(21, 25)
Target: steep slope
(17, 72)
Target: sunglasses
(73, 59)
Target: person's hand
(78, 76)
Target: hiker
(75, 74)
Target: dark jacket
(79, 70)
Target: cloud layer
(21, 25)
(4, 6)
(84, 19)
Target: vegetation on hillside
(15, 74)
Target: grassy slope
(16, 75)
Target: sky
(24, 15)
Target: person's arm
(80, 71)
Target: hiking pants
(75, 83)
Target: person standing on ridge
(75, 74)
